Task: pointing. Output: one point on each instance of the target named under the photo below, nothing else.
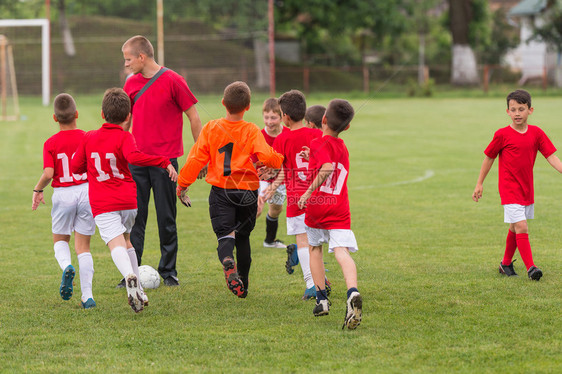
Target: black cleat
(171, 281)
(121, 284)
(534, 273)
(507, 269)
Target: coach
(159, 97)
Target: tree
(464, 69)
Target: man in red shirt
(157, 125)
(517, 146)
(327, 210)
(71, 210)
(105, 154)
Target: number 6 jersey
(105, 154)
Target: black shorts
(232, 210)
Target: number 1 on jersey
(227, 150)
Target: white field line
(428, 174)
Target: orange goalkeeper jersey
(227, 147)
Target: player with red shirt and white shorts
(271, 114)
(71, 209)
(328, 217)
(294, 175)
(105, 154)
(517, 146)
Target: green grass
(427, 265)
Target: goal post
(45, 50)
(9, 104)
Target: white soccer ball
(149, 277)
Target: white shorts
(513, 213)
(113, 224)
(71, 211)
(334, 237)
(295, 225)
(278, 197)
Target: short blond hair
(139, 44)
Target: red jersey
(518, 153)
(328, 206)
(57, 153)
(270, 139)
(105, 154)
(290, 144)
(227, 146)
(158, 114)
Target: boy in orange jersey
(227, 145)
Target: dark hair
(115, 106)
(271, 105)
(293, 104)
(237, 96)
(520, 96)
(339, 114)
(314, 115)
(65, 108)
(139, 44)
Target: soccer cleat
(292, 258)
(534, 273)
(66, 282)
(89, 304)
(507, 269)
(309, 293)
(121, 284)
(322, 308)
(353, 311)
(134, 293)
(144, 298)
(274, 244)
(233, 281)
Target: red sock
(525, 250)
(510, 247)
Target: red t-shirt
(105, 154)
(57, 153)
(290, 144)
(518, 153)
(158, 114)
(270, 139)
(328, 206)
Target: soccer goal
(9, 104)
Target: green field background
(427, 264)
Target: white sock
(86, 270)
(62, 253)
(304, 260)
(134, 263)
(122, 261)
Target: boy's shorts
(113, 224)
(334, 237)
(71, 211)
(278, 197)
(232, 210)
(513, 213)
(295, 225)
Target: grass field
(427, 265)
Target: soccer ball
(149, 277)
